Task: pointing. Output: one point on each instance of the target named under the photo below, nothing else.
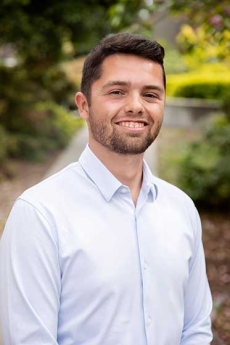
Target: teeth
(132, 124)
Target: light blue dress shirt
(81, 265)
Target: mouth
(132, 124)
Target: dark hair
(123, 43)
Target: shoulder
(52, 192)
(49, 201)
(54, 185)
(170, 197)
(170, 191)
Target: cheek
(102, 111)
(156, 112)
(112, 107)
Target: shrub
(226, 104)
(22, 90)
(29, 148)
(205, 89)
(204, 172)
(200, 47)
(49, 127)
(59, 124)
(210, 81)
(35, 127)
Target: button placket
(149, 320)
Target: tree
(38, 30)
(210, 23)
(40, 35)
(205, 33)
(214, 14)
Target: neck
(126, 168)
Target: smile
(131, 124)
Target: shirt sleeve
(29, 278)
(198, 300)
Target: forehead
(131, 67)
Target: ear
(82, 105)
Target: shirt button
(123, 190)
(149, 321)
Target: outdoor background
(42, 49)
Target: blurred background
(42, 49)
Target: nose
(134, 104)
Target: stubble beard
(122, 143)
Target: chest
(105, 245)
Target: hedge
(209, 82)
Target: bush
(22, 90)
(199, 47)
(210, 82)
(49, 127)
(204, 172)
(59, 124)
(225, 103)
(34, 126)
(204, 89)
(29, 148)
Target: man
(104, 253)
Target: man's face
(127, 104)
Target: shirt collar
(107, 183)
(149, 184)
(99, 174)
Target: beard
(122, 143)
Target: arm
(198, 300)
(29, 278)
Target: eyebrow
(154, 87)
(126, 83)
(114, 83)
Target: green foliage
(209, 89)
(205, 169)
(22, 89)
(199, 47)
(39, 30)
(172, 146)
(174, 62)
(3, 140)
(29, 148)
(206, 35)
(59, 125)
(49, 127)
(209, 82)
(225, 103)
(214, 14)
(40, 36)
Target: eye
(116, 92)
(151, 95)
